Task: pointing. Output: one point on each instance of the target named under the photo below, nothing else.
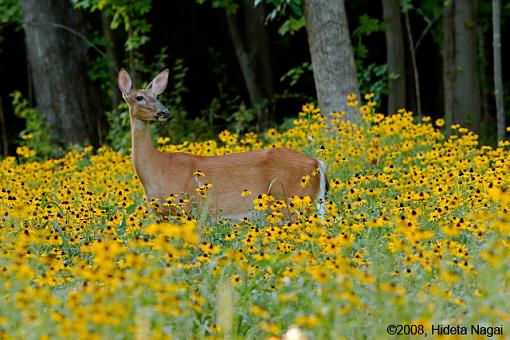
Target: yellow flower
(262, 201)
(274, 217)
(260, 312)
(163, 140)
(305, 180)
(202, 190)
(365, 109)
(320, 275)
(230, 236)
(449, 277)
(369, 96)
(308, 321)
(271, 328)
(24, 151)
(198, 173)
(336, 183)
(236, 280)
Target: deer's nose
(163, 113)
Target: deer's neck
(142, 150)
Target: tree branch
(430, 24)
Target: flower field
(416, 231)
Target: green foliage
(179, 72)
(283, 7)
(406, 5)
(292, 25)
(295, 74)
(129, 14)
(119, 128)
(291, 11)
(100, 68)
(367, 26)
(10, 13)
(229, 5)
(36, 135)
(373, 79)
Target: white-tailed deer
(277, 171)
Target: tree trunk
(64, 94)
(483, 66)
(332, 59)
(466, 100)
(448, 64)
(498, 80)
(395, 56)
(251, 44)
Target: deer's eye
(139, 98)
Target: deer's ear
(158, 84)
(124, 81)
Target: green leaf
(394, 76)
(292, 25)
(406, 5)
(368, 25)
(295, 74)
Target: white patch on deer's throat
(139, 125)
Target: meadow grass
(416, 232)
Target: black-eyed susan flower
(236, 280)
(305, 180)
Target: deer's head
(143, 103)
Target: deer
(276, 171)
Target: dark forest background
(206, 44)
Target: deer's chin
(151, 119)
(160, 118)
